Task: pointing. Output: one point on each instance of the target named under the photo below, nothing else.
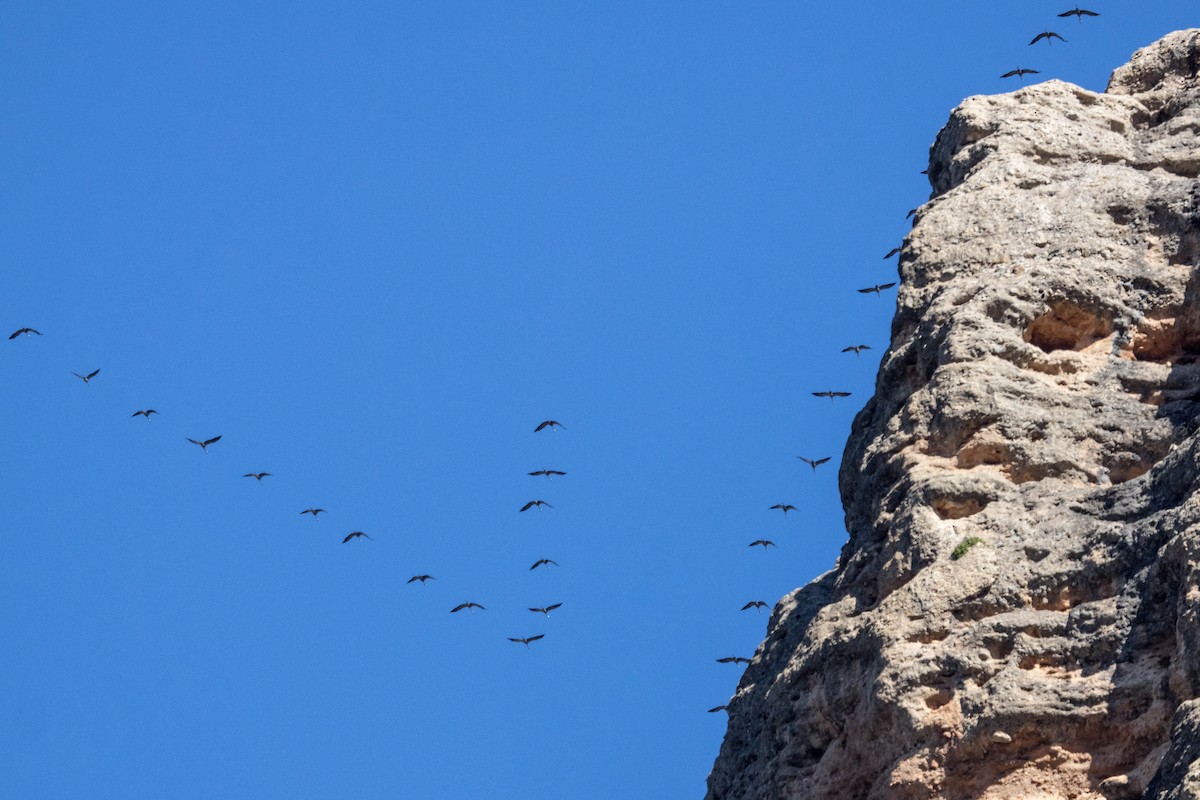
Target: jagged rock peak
(1016, 613)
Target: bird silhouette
(537, 503)
(733, 660)
(1079, 13)
(547, 609)
(1020, 73)
(1049, 36)
(355, 535)
(715, 709)
(856, 349)
(892, 252)
(548, 472)
(759, 604)
(764, 543)
(877, 288)
(545, 561)
(145, 413)
(313, 511)
(526, 640)
(783, 507)
(421, 578)
(461, 606)
(912, 211)
(814, 462)
(257, 475)
(830, 394)
(86, 378)
(552, 424)
(25, 331)
(204, 444)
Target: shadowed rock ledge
(1041, 393)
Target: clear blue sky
(372, 245)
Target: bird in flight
(25, 331)
(355, 535)
(783, 507)
(537, 503)
(877, 288)
(313, 511)
(552, 424)
(1020, 73)
(814, 462)
(525, 641)
(145, 413)
(759, 604)
(894, 250)
(548, 472)
(421, 578)
(1049, 36)
(86, 378)
(461, 606)
(715, 709)
(856, 349)
(764, 543)
(733, 660)
(831, 394)
(547, 609)
(204, 444)
(1079, 13)
(545, 561)
(257, 475)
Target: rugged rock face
(1042, 395)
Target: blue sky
(372, 247)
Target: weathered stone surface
(1042, 393)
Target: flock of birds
(554, 425)
(315, 512)
(877, 289)
(1049, 37)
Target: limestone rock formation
(1041, 394)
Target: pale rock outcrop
(1042, 394)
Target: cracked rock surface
(1041, 393)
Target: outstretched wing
(210, 441)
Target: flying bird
(783, 507)
(759, 604)
(1049, 36)
(715, 709)
(461, 606)
(765, 543)
(1079, 13)
(733, 660)
(525, 641)
(86, 378)
(25, 331)
(552, 424)
(421, 578)
(893, 251)
(355, 535)
(541, 561)
(538, 503)
(547, 609)
(831, 394)
(1020, 73)
(877, 288)
(548, 472)
(814, 463)
(145, 413)
(313, 511)
(257, 475)
(204, 445)
(856, 349)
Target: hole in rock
(1067, 326)
(939, 698)
(959, 507)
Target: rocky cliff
(1017, 611)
